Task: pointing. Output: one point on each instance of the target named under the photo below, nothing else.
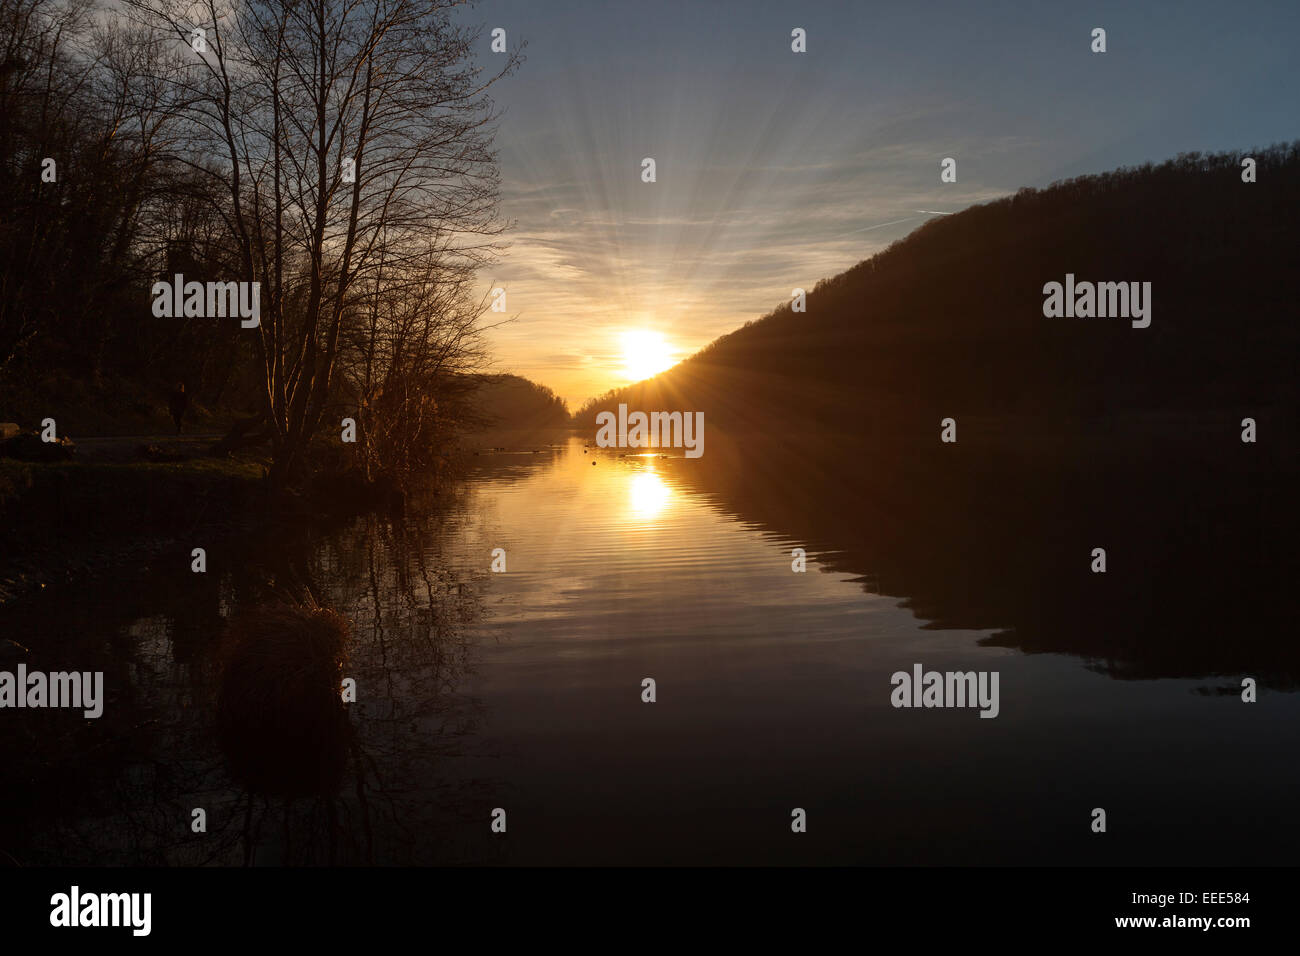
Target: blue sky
(776, 169)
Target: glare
(649, 495)
(645, 354)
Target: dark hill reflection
(997, 532)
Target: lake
(523, 690)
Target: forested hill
(950, 321)
(510, 401)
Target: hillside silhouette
(515, 402)
(949, 320)
(1072, 433)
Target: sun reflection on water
(648, 495)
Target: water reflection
(998, 537)
(224, 696)
(648, 495)
(523, 689)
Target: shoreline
(68, 521)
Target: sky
(775, 169)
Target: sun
(645, 354)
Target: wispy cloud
(777, 169)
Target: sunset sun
(645, 354)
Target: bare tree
(47, 113)
(412, 351)
(350, 138)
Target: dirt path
(125, 447)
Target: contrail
(881, 225)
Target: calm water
(522, 691)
